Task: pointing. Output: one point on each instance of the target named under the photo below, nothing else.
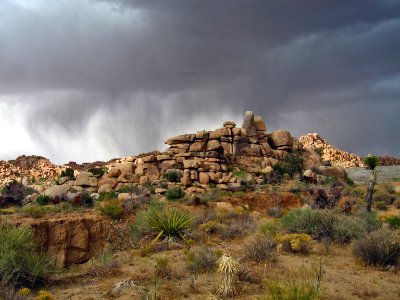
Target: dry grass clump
(261, 248)
(202, 260)
(238, 225)
(379, 248)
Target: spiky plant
(227, 267)
(169, 224)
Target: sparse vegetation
(379, 248)
(106, 196)
(301, 290)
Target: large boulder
(57, 190)
(248, 125)
(259, 123)
(86, 179)
(281, 138)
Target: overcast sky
(89, 80)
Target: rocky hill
(330, 153)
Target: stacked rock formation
(208, 156)
(330, 153)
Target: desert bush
(168, 223)
(329, 225)
(271, 228)
(291, 291)
(20, 264)
(295, 242)
(202, 260)
(261, 248)
(68, 172)
(44, 295)
(172, 176)
(106, 196)
(111, 209)
(385, 197)
(132, 189)
(43, 199)
(174, 193)
(83, 199)
(379, 248)
(12, 194)
(380, 205)
(97, 171)
(371, 161)
(293, 163)
(393, 221)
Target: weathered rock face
(71, 239)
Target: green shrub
(329, 225)
(380, 205)
(393, 221)
(112, 209)
(43, 199)
(172, 176)
(20, 264)
(83, 199)
(371, 161)
(97, 171)
(261, 248)
(385, 197)
(293, 163)
(279, 169)
(68, 172)
(202, 260)
(174, 193)
(106, 196)
(133, 189)
(379, 248)
(170, 224)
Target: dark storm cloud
(120, 76)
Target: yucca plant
(169, 224)
(228, 267)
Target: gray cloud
(100, 79)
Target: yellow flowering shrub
(294, 242)
(44, 295)
(23, 291)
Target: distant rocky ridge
(197, 159)
(330, 153)
(339, 157)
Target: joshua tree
(371, 161)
